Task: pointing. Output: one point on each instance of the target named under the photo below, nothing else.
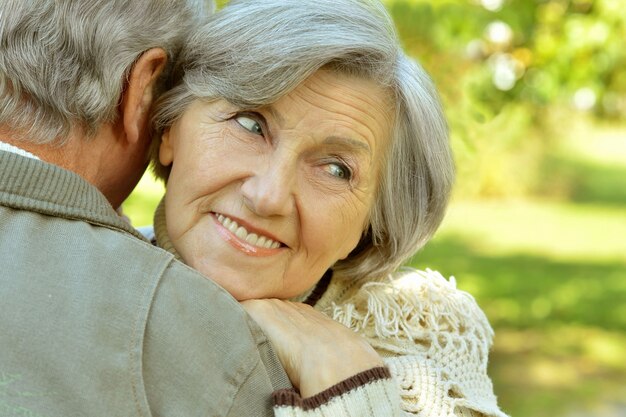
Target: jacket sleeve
(202, 354)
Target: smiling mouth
(243, 234)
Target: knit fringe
(415, 305)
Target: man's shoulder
(72, 283)
(82, 247)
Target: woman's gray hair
(251, 53)
(63, 63)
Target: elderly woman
(306, 158)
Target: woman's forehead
(352, 103)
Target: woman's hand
(316, 351)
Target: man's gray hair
(63, 63)
(252, 53)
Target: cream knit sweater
(433, 337)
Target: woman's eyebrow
(354, 143)
(330, 140)
(275, 115)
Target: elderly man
(95, 321)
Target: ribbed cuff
(291, 398)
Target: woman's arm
(330, 365)
(316, 351)
(433, 338)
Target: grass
(552, 279)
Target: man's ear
(166, 153)
(138, 96)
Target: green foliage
(551, 49)
(142, 203)
(503, 72)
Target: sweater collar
(160, 231)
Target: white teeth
(252, 238)
(243, 234)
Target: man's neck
(87, 158)
(108, 160)
(66, 156)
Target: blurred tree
(540, 52)
(505, 66)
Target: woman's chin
(239, 287)
(248, 283)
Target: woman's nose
(269, 191)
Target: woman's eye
(249, 124)
(340, 171)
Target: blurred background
(535, 94)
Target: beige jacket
(96, 321)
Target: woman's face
(265, 201)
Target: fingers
(316, 351)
